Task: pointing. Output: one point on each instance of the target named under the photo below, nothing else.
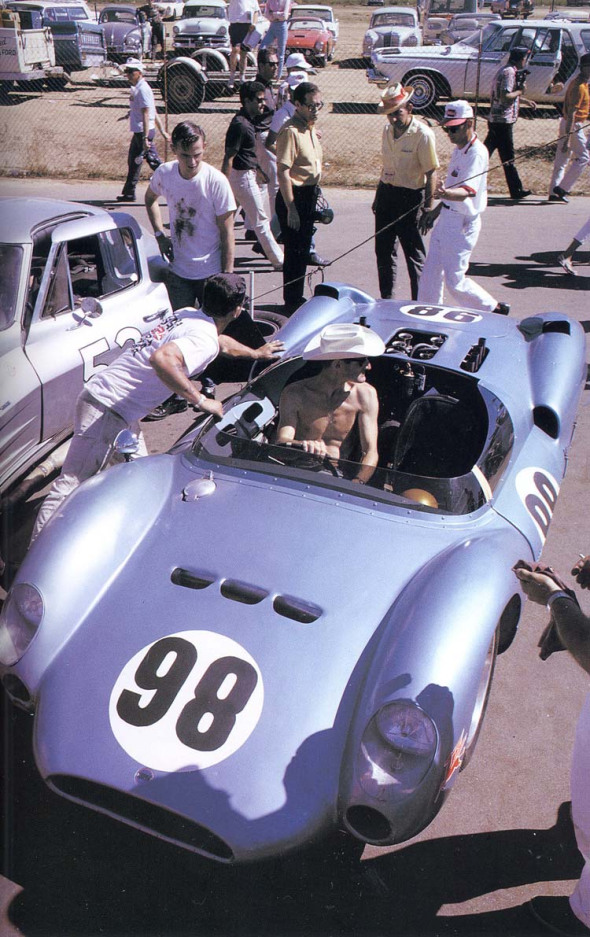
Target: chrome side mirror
(126, 444)
(90, 308)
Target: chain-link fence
(81, 131)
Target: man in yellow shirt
(299, 170)
(573, 148)
(406, 186)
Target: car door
(92, 263)
(494, 54)
(545, 59)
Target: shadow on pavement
(537, 270)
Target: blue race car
(237, 649)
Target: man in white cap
(143, 121)
(463, 199)
(319, 413)
(296, 64)
(406, 186)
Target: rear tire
(185, 90)
(425, 90)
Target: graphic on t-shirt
(183, 222)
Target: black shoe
(250, 235)
(169, 407)
(559, 195)
(257, 249)
(556, 916)
(126, 198)
(314, 260)
(502, 309)
(524, 193)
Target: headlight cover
(19, 622)
(396, 750)
(176, 30)
(221, 31)
(319, 46)
(412, 41)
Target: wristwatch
(559, 594)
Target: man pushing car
(142, 377)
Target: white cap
(295, 78)
(456, 112)
(297, 60)
(343, 340)
(132, 65)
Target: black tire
(185, 90)
(482, 699)
(57, 84)
(268, 322)
(425, 90)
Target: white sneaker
(566, 264)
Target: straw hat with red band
(394, 97)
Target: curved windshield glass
(443, 444)
(393, 19)
(203, 12)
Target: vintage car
(78, 40)
(235, 647)
(202, 25)
(312, 38)
(127, 32)
(464, 25)
(453, 71)
(169, 10)
(392, 27)
(324, 13)
(512, 9)
(75, 289)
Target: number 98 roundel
(187, 701)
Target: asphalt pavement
(504, 835)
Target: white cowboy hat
(394, 97)
(343, 340)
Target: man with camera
(299, 169)
(506, 97)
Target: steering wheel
(300, 458)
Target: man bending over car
(142, 377)
(319, 413)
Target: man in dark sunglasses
(463, 199)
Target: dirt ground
(81, 132)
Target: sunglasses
(454, 129)
(315, 107)
(361, 362)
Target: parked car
(76, 289)
(452, 71)
(78, 40)
(449, 8)
(464, 25)
(511, 9)
(169, 10)
(236, 648)
(202, 25)
(392, 27)
(319, 11)
(312, 38)
(127, 32)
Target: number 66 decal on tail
(187, 701)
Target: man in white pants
(463, 199)
(573, 153)
(565, 259)
(240, 166)
(568, 629)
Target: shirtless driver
(319, 413)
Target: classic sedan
(392, 27)
(464, 25)
(76, 289)
(453, 71)
(126, 33)
(203, 25)
(324, 13)
(312, 38)
(236, 648)
(169, 10)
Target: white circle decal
(187, 701)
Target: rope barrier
(399, 218)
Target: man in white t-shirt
(201, 207)
(464, 196)
(143, 376)
(143, 120)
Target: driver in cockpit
(319, 413)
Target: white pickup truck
(26, 55)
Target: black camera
(520, 78)
(323, 214)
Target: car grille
(92, 39)
(141, 813)
(391, 40)
(190, 41)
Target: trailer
(27, 57)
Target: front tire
(185, 91)
(425, 90)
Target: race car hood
(274, 586)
